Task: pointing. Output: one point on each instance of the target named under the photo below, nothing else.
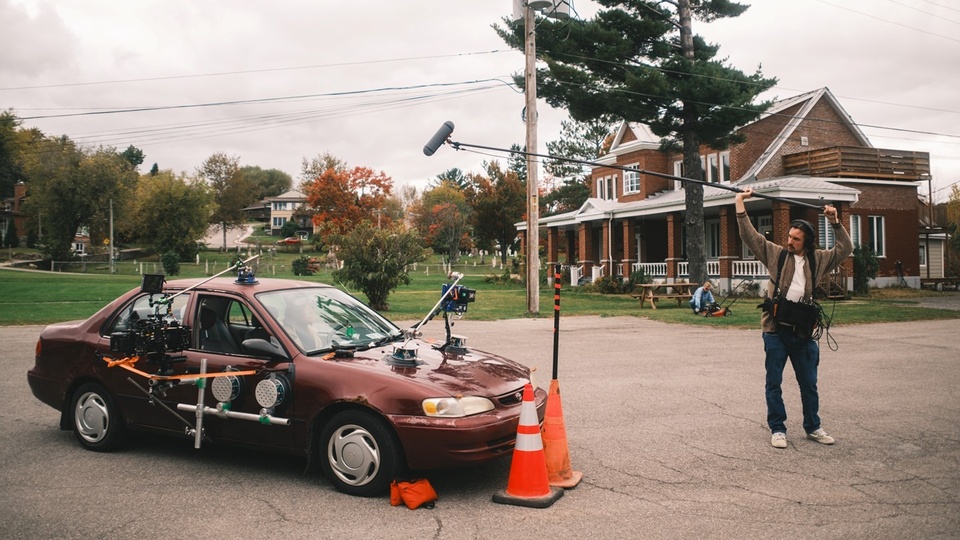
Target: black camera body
(456, 300)
(152, 337)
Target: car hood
(463, 372)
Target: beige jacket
(768, 252)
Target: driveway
(666, 423)
(214, 236)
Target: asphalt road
(666, 423)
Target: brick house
(10, 212)
(806, 148)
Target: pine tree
(638, 60)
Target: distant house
(286, 207)
(10, 212)
(258, 211)
(806, 148)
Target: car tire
(359, 453)
(95, 418)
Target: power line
(887, 21)
(259, 100)
(249, 71)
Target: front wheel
(96, 420)
(359, 453)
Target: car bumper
(438, 443)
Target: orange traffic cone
(528, 485)
(559, 472)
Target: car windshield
(324, 318)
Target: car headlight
(456, 407)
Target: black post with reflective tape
(556, 319)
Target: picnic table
(679, 291)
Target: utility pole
(111, 236)
(533, 204)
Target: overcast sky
(370, 81)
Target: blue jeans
(804, 355)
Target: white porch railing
(597, 272)
(651, 269)
(749, 268)
(575, 275)
(713, 269)
(740, 269)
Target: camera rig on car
(156, 336)
(454, 300)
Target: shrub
(305, 266)
(865, 267)
(170, 262)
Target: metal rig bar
(153, 399)
(457, 145)
(225, 413)
(170, 298)
(430, 314)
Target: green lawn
(43, 297)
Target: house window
(855, 230)
(281, 206)
(875, 235)
(78, 248)
(606, 187)
(826, 239)
(678, 171)
(923, 255)
(631, 180)
(725, 166)
(713, 173)
(278, 222)
(713, 239)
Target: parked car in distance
(289, 241)
(290, 367)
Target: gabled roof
(645, 140)
(807, 101)
(292, 195)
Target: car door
(222, 323)
(131, 389)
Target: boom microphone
(438, 139)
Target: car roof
(229, 284)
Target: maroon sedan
(283, 366)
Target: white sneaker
(779, 440)
(820, 436)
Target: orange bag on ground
(414, 494)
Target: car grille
(511, 398)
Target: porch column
(585, 253)
(629, 246)
(781, 222)
(572, 246)
(606, 258)
(674, 237)
(729, 234)
(553, 249)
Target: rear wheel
(359, 453)
(96, 420)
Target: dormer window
(631, 180)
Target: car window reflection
(324, 318)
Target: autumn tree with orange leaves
(343, 198)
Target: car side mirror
(262, 347)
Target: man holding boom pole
(789, 314)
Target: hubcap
(353, 455)
(92, 417)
